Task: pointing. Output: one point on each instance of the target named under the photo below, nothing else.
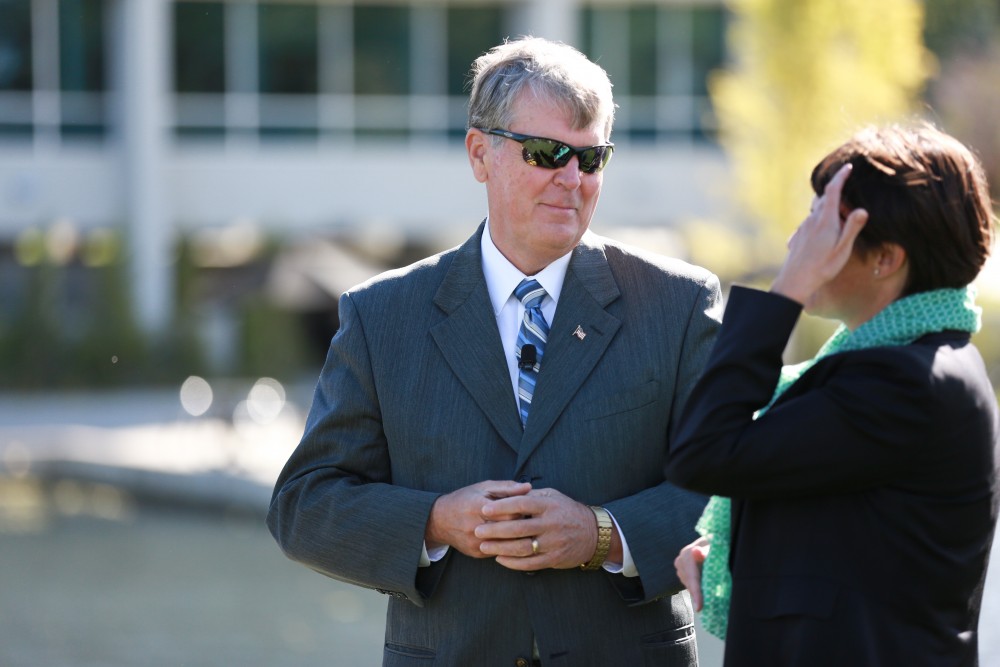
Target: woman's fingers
(822, 244)
(688, 564)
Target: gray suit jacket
(415, 401)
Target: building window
(81, 45)
(471, 32)
(382, 70)
(381, 50)
(288, 51)
(199, 47)
(659, 58)
(81, 67)
(199, 56)
(250, 71)
(52, 69)
(708, 33)
(643, 60)
(288, 67)
(15, 69)
(15, 45)
(316, 70)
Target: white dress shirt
(502, 278)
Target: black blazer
(864, 498)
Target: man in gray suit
(488, 435)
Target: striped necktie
(534, 331)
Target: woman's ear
(475, 145)
(889, 260)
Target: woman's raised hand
(822, 244)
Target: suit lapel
(589, 287)
(470, 342)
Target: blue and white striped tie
(534, 331)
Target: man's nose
(569, 175)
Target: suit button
(521, 662)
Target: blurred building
(303, 117)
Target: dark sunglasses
(552, 154)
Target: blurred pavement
(132, 533)
(145, 442)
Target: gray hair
(550, 70)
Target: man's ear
(475, 145)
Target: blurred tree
(70, 323)
(964, 93)
(272, 341)
(805, 76)
(112, 350)
(954, 27)
(966, 97)
(31, 348)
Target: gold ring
(534, 546)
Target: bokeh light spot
(196, 396)
(265, 400)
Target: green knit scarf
(900, 323)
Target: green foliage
(960, 26)
(70, 324)
(95, 343)
(806, 76)
(30, 340)
(112, 349)
(272, 342)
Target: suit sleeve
(659, 521)
(859, 423)
(334, 507)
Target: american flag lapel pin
(580, 333)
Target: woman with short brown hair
(855, 500)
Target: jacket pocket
(632, 398)
(676, 646)
(405, 654)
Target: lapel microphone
(529, 357)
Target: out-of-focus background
(187, 186)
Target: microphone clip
(528, 358)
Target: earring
(877, 272)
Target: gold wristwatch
(604, 528)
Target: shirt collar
(502, 276)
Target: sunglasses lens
(594, 159)
(546, 153)
(550, 154)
